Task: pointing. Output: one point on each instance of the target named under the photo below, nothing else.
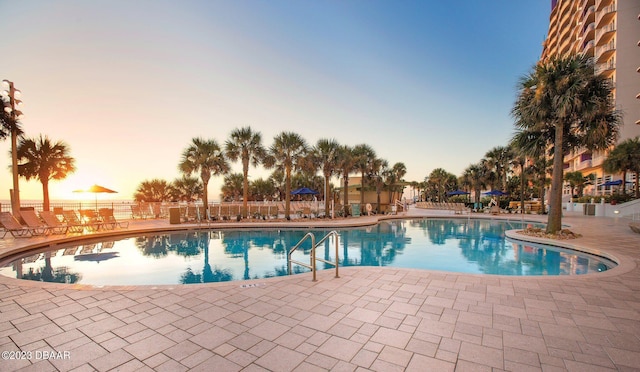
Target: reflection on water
(470, 246)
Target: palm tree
(10, 126)
(498, 158)
(364, 156)
(345, 165)
(439, 181)
(262, 189)
(575, 180)
(155, 190)
(42, 159)
(187, 188)
(246, 145)
(520, 160)
(534, 144)
(394, 179)
(625, 157)
(285, 153)
(231, 186)
(378, 169)
(325, 155)
(563, 99)
(277, 178)
(205, 157)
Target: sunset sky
(128, 84)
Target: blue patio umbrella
(614, 183)
(496, 193)
(457, 192)
(304, 191)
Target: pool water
(454, 245)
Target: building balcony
(606, 69)
(589, 15)
(584, 165)
(588, 48)
(605, 15)
(589, 31)
(602, 3)
(605, 34)
(605, 52)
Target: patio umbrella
(97, 189)
(304, 191)
(496, 193)
(614, 183)
(97, 257)
(458, 192)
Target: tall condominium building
(608, 31)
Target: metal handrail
(336, 235)
(312, 258)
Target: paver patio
(379, 319)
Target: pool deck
(378, 319)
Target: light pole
(15, 115)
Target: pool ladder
(313, 258)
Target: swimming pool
(201, 256)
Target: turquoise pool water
(454, 245)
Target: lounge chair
(12, 226)
(53, 223)
(91, 219)
(33, 221)
(73, 221)
(109, 220)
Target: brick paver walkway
(379, 319)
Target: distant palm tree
(155, 190)
(245, 145)
(325, 155)
(187, 188)
(566, 98)
(475, 176)
(363, 155)
(277, 178)
(232, 186)
(519, 160)
(204, 157)
(439, 181)
(534, 144)
(42, 159)
(261, 189)
(499, 158)
(287, 150)
(345, 165)
(377, 170)
(394, 179)
(575, 180)
(625, 157)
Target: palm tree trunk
(45, 194)
(205, 199)
(326, 199)
(522, 189)
(346, 196)
(245, 187)
(287, 191)
(543, 181)
(362, 190)
(554, 222)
